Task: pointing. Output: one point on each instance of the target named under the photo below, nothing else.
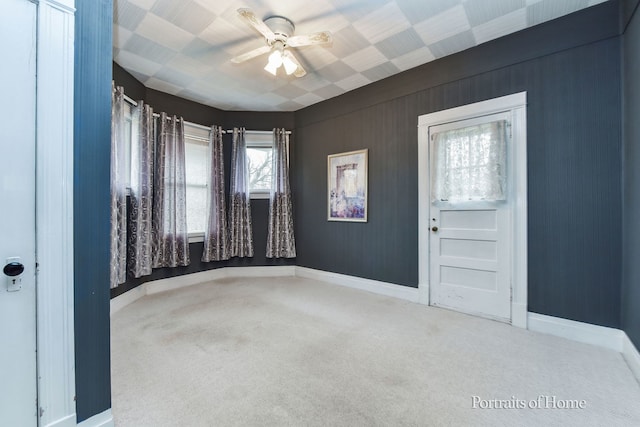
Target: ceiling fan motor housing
(281, 27)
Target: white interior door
(469, 217)
(18, 404)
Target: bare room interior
(339, 212)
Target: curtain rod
(259, 132)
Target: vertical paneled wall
(92, 145)
(574, 142)
(631, 180)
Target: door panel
(18, 405)
(470, 267)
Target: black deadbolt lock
(13, 269)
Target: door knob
(434, 229)
(13, 269)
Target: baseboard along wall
(103, 419)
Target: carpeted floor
(297, 352)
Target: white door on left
(18, 381)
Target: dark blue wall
(570, 69)
(92, 147)
(631, 181)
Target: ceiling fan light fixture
(289, 65)
(271, 68)
(275, 59)
(278, 35)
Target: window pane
(196, 208)
(470, 163)
(259, 160)
(129, 126)
(196, 171)
(195, 162)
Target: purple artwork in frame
(347, 186)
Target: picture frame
(347, 186)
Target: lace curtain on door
(470, 163)
(118, 272)
(280, 238)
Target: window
(469, 163)
(128, 133)
(259, 156)
(196, 153)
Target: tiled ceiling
(185, 47)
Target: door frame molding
(54, 213)
(516, 104)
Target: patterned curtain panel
(240, 209)
(280, 240)
(118, 190)
(141, 195)
(216, 238)
(170, 240)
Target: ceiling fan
(278, 34)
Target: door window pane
(469, 163)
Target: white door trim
(516, 103)
(54, 213)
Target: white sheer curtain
(280, 238)
(216, 239)
(170, 239)
(470, 163)
(141, 194)
(118, 273)
(240, 209)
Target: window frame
(261, 140)
(197, 134)
(462, 124)
(128, 117)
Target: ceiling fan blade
(323, 37)
(251, 54)
(299, 72)
(251, 19)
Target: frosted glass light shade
(271, 68)
(289, 65)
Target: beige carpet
(297, 352)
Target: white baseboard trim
(600, 336)
(103, 419)
(631, 355)
(263, 271)
(177, 282)
(68, 421)
(519, 315)
(123, 300)
(382, 288)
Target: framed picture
(347, 186)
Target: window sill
(196, 237)
(260, 195)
